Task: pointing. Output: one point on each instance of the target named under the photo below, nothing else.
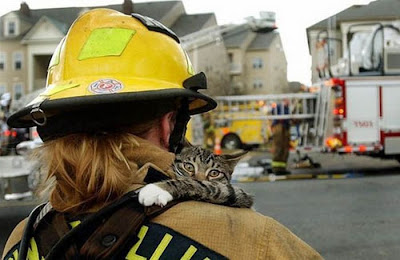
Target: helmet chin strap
(177, 137)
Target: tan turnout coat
(232, 232)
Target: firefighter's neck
(160, 133)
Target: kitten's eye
(214, 174)
(189, 167)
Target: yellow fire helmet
(113, 65)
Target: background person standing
(280, 139)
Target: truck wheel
(231, 141)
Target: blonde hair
(86, 172)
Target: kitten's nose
(201, 176)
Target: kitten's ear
(234, 158)
(187, 144)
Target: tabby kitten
(201, 175)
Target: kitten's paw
(151, 194)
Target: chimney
(24, 9)
(127, 7)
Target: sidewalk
(332, 166)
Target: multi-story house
(206, 51)
(257, 62)
(332, 35)
(29, 37)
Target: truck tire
(231, 142)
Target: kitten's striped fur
(204, 176)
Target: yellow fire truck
(244, 121)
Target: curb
(338, 174)
(273, 178)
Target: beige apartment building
(257, 62)
(332, 33)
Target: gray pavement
(341, 218)
(331, 163)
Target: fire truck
(358, 108)
(353, 108)
(244, 121)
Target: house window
(258, 63)
(17, 60)
(18, 91)
(2, 61)
(11, 28)
(230, 57)
(257, 83)
(3, 88)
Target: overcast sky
(293, 17)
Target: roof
(236, 37)
(262, 41)
(190, 23)
(376, 10)
(64, 17)
(59, 25)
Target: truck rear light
(338, 111)
(348, 149)
(362, 148)
(333, 142)
(7, 133)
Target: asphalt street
(341, 218)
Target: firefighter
(209, 130)
(280, 139)
(120, 92)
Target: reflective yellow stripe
(73, 224)
(189, 253)
(33, 252)
(189, 64)
(106, 42)
(161, 247)
(132, 253)
(55, 59)
(206, 258)
(15, 254)
(278, 164)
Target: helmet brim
(198, 103)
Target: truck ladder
(303, 109)
(250, 107)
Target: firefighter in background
(9, 137)
(5, 133)
(280, 138)
(209, 130)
